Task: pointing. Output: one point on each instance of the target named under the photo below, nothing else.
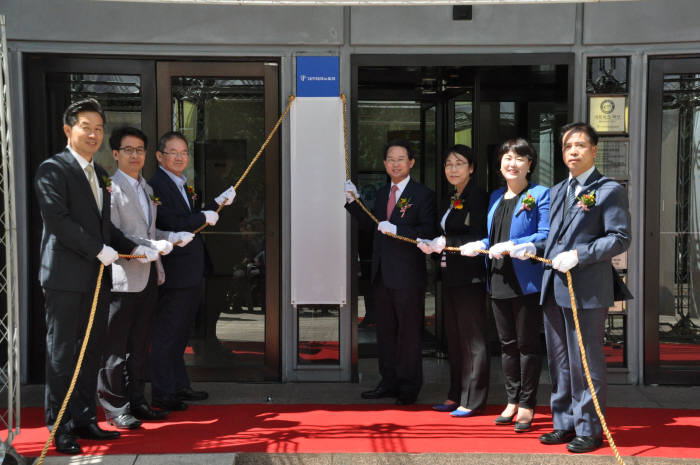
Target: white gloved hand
(181, 238)
(211, 217)
(349, 190)
(518, 251)
(565, 261)
(497, 250)
(386, 227)
(226, 197)
(470, 248)
(438, 244)
(163, 247)
(424, 246)
(151, 254)
(107, 255)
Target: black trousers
(465, 326)
(177, 309)
(67, 315)
(518, 321)
(399, 317)
(126, 348)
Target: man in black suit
(399, 275)
(180, 294)
(77, 235)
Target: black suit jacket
(464, 225)
(402, 264)
(74, 230)
(184, 266)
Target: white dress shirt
(83, 164)
(144, 200)
(180, 182)
(401, 186)
(581, 181)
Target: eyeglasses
(140, 151)
(455, 166)
(176, 154)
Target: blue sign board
(318, 76)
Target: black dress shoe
(67, 444)
(169, 403)
(143, 412)
(581, 444)
(404, 400)
(92, 431)
(378, 393)
(124, 421)
(558, 436)
(190, 394)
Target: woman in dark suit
(517, 213)
(463, 287)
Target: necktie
(571, 198)
(392, 202)
(90, 170)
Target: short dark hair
(521, 147)
(70, 115)
(579, 127)
(399, 143)
(115, 139)
(167, 136)
(462, 150)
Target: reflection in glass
(318, 327)
(679, 242)
(224, 122)
(119, 95)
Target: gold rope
(574, 309)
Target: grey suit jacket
(127, 215)
(597, 235)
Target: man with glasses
(77, 236)
(406, 208)
(180, 294)
(134, 286)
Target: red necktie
(392, 202)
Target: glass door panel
(223, 112)
(672, 255)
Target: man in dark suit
(77, 235)
(180, 294)
(399, 275)
(589, 225)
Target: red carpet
(371, 428)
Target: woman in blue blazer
(517, 213)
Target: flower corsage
(586, 201)
(107, 181)
(191, 192)
(404, 204)
(456, 202)
(527, 203)
(155, 200)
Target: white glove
(151, 254)
(424, 246)
(349, 190)
(226, 197)
(470, 248)
(163, 247)
(518, 251)
(181, 238)
(497, 250)
(107, 255)
(438, 244)
(386, 227)
(565, 261)
(211, 217)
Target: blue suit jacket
(526, 226)
(597, 235)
